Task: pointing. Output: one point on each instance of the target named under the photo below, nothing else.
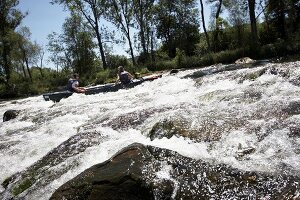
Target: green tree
(93, 11)
(216, 11)
(276, 10)
(293, 11)
(27, 51)
(143, 13)
(79, 45)
(238, 19)
(74, 48)
(177, 25)
(284, 16)
(203, 25)
(121, 14)
(251, 6)
(10, 19)
(56, 48)
(39, 62)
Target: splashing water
(222, 114)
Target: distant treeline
(166, 34)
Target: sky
(44, 18)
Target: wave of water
(226, 112)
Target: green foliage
(162, 65)
(177, 25)
(180, 56)
(196, 61)
(279, 49)
(113, 61)
(121, 13)
(10, 19)
(74, 49)
(201, 47)
(102, 76)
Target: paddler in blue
(73, 84)
(123, 76)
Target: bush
(102, 76)
(162, 65)
(193, 62)
(180, 57)
(229, 56)
(27, 89)
(113, 61)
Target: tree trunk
(130, 46)
(142, 28)
(203, 24)
(152, 47)
(94, 24)
(24, 71)
(6, 62)
(28, 69)
(124, 27)
(281, 19)
(41, 66)
(98, 35)
(216, 33)
(251, 4)
(25, 60)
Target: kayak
(110, 87)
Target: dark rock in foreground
(146, 172)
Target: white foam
(44, 125)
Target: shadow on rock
(147, 172)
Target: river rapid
(248, 118)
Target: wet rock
(293, 108)
(242, 151)
(133, 119)
(202, 72)
(244, 60)
(295, 81)
(45, 170)
(208, 128)
(279, 72)
(294, 132)
(10, 114)
(174, 71)
(168, 129)
(229, 67)
(147, 172)
(252, 94)
(118, 178)
(252, 76)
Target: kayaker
(73, 84)
(123, 76)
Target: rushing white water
(245, 112)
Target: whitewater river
(251, 108)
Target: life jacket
(124, 78)
(69, 85)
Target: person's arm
(78, 89)
(118, 79)
(130, 76)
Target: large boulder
(147, 172)
(10, 114)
